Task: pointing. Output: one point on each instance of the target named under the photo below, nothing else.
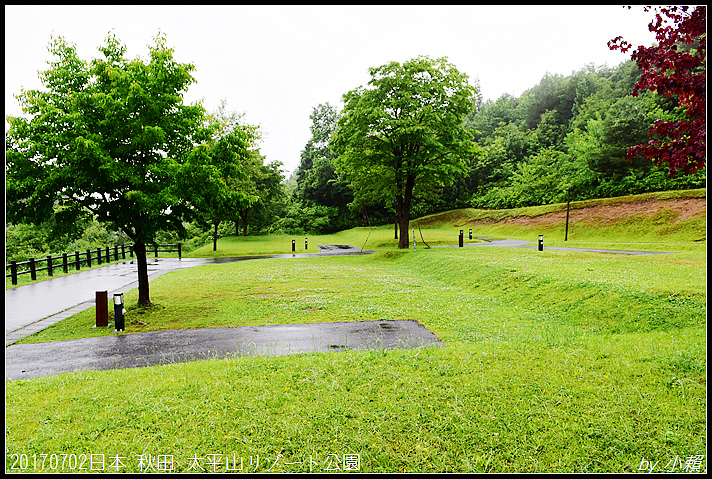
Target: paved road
(36, 306)
(515, 243)
(24, 361)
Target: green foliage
(107, 136)
(319, 189)
(402, 130)
(588, 121)
(25, 241)
(216, 176)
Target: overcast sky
(275, 63)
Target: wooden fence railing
(76, 259)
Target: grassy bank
(603, 353)
(556, 361)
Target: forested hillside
(566, 132)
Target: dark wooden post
(98, 256)
(123, 251)
(568, 205)
(116, 253)
(108, 255)
(64, 262)
(102, 309)
(77, 263)
(155, 249)
(89, 258)
(179, 252)
(49, 265)
(13, 271)
(33, 270)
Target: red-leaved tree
(674, 67)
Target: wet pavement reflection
(24, 361)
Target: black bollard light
(460, 240)
(294, 245)
(541, 242)
(470, 233)
(119, 311)
(306, 243)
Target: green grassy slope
(556, 361)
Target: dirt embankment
(674, 210)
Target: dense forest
(565, 133)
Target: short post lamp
(459, 239)
(306, 243)
(541, 242)
(470, 233)
(293, 244)
(568, 203)
(119, 311)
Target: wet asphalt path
(25, 361)
(36, 306)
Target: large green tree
(405, 129)
(264, 183)
(213, 178)
(107, 136)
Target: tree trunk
(215, 235)
(140, 250)
(403, 212)
(403, 220)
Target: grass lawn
(556, 361)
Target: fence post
(64, 263)
(76, 258)
(13, 271)
(131, 247)
(98, 256)
(102, 309)
(179, 253)
(116, 253)
(108, 255)
(88, 258)
(155, 249)
(123, 252)
(33, 270)
(49, 265)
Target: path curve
(36, 306)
